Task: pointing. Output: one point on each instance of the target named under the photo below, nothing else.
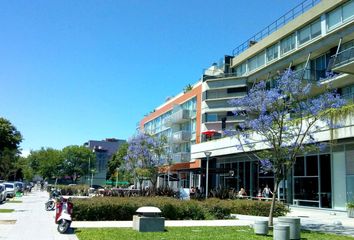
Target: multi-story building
(314, 38)
(178, 119)
(103, 150)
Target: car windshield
(9, 186)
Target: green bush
(75, 190)
(113, 208)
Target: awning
(209, 132)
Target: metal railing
(341, 58)
(280, 22)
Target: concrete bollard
(295, 226)
(281, 232)
(148, 220)
(260, 227)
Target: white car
(3, 193)
(10, 189)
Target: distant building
(104, 150)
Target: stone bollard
(260, 227)
(148, 220)
(295, 226)
(281, 232)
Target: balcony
(343, 62)
(181, 136)
(226, 83)
(180, 116)
(223, 94)
(182, 157)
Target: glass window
(287, 44)
(299, 167)
(316, 29)
(311, 166)
(256, 62)
(348, 11)
(304, 34)
(241, 69)
(272, 52)
(334, 18)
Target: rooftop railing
(280, 22)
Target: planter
(295, 226)
(260, 227)
(350, 212)
(281, 232)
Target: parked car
(10, 189)
(19, 186)
(3, 193)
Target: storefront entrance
(312, 181)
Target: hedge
(113, 208)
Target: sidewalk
(30, 220)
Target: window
(237, 90)
(272, 53)
(334, 18)
(348, 11)
(287, 44)
(256, 62)
(241, 69)
(309, 32)
(304, 35)
(340, 15)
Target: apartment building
(178, 119)
(316, 40)
(103, 150)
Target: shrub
(77, 190)
(116, 208)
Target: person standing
(266, 192)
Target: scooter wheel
(49, 205)
(63, 226)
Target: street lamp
(207, 154)
(92, 171)
(117, 169)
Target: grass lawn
(6, 210)
(189, 233)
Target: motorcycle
(64, 210)
(50, 204)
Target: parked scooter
(64, 210)
(50, 204)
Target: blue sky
(71, 71)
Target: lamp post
(117, 169)
(92, 171)
(207, 154)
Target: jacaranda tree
(281, 122)
(144, 157)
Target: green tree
(46, 162)
(76, 161)
(116, 161)
(10, 139)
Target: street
(30, 220)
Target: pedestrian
(266, 191)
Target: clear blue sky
(71, 71)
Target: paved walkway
(30, 221)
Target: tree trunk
(275, 190)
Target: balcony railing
(233, 82)
(179, 116)
(280, 22)
(349, 98)
(341, 58)
(181, 136)
(182, 157)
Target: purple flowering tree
(144, 157)
(281, 123)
